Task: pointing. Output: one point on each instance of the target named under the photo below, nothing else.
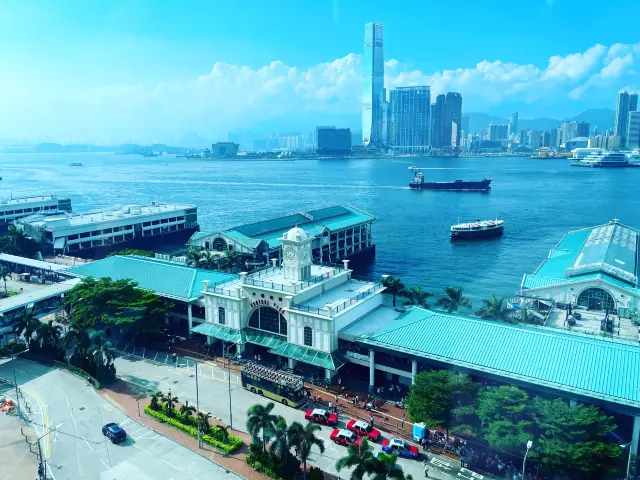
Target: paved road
(73, 414)
(214, 398)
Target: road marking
(45, 420)
(439, 463)
(51, 472)
(144, 435)
(140, 448)
(126, 422)
(105, 464)
(88, 445)
(132, 433)
(68, 403)
(469, 472)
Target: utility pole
(198, 408)
(229, 383)
(17, 391)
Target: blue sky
(153, 70)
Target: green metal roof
(265, 339)
(312, 222)
(332, 361)
(167, 279)
(220, 332)
(590, 366)
(198, 236)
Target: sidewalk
(126, 396)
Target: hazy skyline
(152, 71)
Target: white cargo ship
(93, 235)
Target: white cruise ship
(15, 208)
(580, 153)
(93, 235)
(604, 159)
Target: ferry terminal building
(320, 317)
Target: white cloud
(232, 96)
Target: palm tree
(224, 432)
(155, 401)
(208, 260)
(418, 296)
(230, 261)
(26, 324)
(193, 256)
(360, 459)
(170, 403)
(101, 352)
(186, 411)
(281, 444)
(260, 419)
(394, 286)
(493, 308)
(4, 274)
(49, 337)
(385, 466)
(203, 420)
(453, 299)
(303, 438)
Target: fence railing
(335, 309)
(64, 366)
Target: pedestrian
(336, 399)
(371, 420)
(330, 406)
(426, 468)
(259, 359)
(403, 416)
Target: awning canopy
(220, 332)
(60, 243)
(264, 339)
(332, 361)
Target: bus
(277, 385)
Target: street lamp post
(229, 381)
(524, 462)
(198, 409)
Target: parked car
(363, 429)
(400, 447)
(114, 432)
(319, 415)
(345, 437)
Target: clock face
(290, 254)
(305, 254)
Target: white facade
(297, 301)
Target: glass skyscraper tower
(373, 85)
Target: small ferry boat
(75, 164)
(458, 185)
(478, 229)
(604, 159)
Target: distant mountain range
(603, 118)
(80, 148)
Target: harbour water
(539, 200)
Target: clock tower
(296, 255)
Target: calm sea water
(539, 200)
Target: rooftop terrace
(103, 216)
(23, 200)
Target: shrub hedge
(214, 438)
(260, 468)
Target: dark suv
(114, 432)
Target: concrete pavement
(214, 398)
(71, 414)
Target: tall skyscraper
(583, 129)
(626, 103)
(439, 123)
(513, 124)
(633, 130)
(411, 116)
(497, 132)
(453, 114)
(465, 124)
(373, 85)
(553, 138)
(569, 131)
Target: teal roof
(313, 222)
(198, 236)
(220, 332)
(575, 363)
(609, 252)
(167, 279)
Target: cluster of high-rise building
(627, 125)
(405, 118)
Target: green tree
(132, 251)
(571, 439)
(282, 441)
(303, 438)
(26, 324)
(49, 340)
(418, 296)
(4, 274)
(102, 354)
(435, 394)
(394, 286)
(493, 308)
(360, 459)
(386, 467)
(231, 261)
(16, 242)
(261, 422)
(453, 299)
(208, 260)
(193, 256)
(203, 420)
(155, 401)
(503, 412)
(186, 411)
(170, 401)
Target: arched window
(221, 316)
(219, 244)
(269, 319)
(308, 336)
(596, 299)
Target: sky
(154, 70)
